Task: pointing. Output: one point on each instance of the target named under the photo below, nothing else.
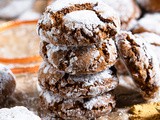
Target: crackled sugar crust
(148, 23)
(142, 63)
(75, 87)
(80, 60)
(84, 109)
(78, 22)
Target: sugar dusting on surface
(85, 19)
(124, 8)
(17, 113)
(50, 97)
(150, 22)
(6, 69)
(91, 79)
(147, 55)
(97, 102)
(151, 38)
(60, 4)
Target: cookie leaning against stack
(77, 76)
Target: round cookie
(148, 23)
(73, 87)
(7, 82)
(78, 22)
(142, 63)
(128, 11)
(150, 5)
(80, 109)
(17, 113)
(80, 60)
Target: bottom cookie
(81, 109)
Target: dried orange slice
(19, 44)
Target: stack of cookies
(77, 76)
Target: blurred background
(22, 9)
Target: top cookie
(78, 22)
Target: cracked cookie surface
(81, 109)
(80, 60)
(142, 63)
(78, 22)
(74, 87)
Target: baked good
(150, 5)
(73, 87)
(17, 113)
(148, 23)
(78, 22)
(128, 11)
(80, 109)
(7, 82)
(142, 63)
(80, 60)
(153, 40)
(120, 66)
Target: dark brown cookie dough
(148, 23)
(81, 109)
(142, 63)
(128, 11)
(7, 82)
(78, 22)
(73, 87)
(80, 60)
(150, 5)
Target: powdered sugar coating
(64, 22)
(4, 68)
(85, 19)
(96, 102)
(149, 23)
(17, 113)
(80, 60)
(127, 9)
(79, 86)
(153, 40)
(142, 63)
(60, 4)
(80, 108)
